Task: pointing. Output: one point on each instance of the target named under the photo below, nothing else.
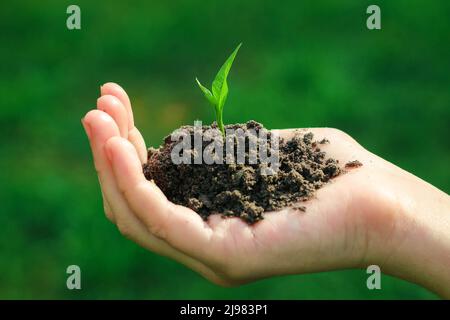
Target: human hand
(363, 217)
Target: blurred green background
(302, 64)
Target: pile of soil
(241, 190)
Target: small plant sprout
(219, 93)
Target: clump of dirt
(242, 190)
(353, 164)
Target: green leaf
(219, 89)
(219, 85)
(207, 93)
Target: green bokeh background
(302, 64)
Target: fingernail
(87, 128)
(101, 89)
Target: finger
(114, 107)
(106, 206)
(136, 139)
(182, 228)
(134, 136)
(101, 128)
(114, 89)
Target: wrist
(417, 245)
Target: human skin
(374, 214)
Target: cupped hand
(349, 223)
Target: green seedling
(219, 93)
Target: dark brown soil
(241, 190)
(353, 164)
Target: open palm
(338, 230)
